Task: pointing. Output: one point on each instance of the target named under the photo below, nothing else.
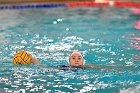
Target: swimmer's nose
(76, 61)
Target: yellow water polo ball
(21, 57)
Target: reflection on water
(105, 39)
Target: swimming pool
(103, 35)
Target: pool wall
(37, 1)
(63, 3)
(56, 1)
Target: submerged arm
(93, 66)
(98, 67)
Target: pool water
(104, 35)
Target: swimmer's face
(76, 59)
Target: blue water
(103, 35)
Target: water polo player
(23, 57)
(76, 60)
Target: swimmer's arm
(98, 67)
(93, 66)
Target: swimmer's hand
(34, 60)
(136, 57)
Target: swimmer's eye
(79, 58)
(73, 58)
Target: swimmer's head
(76, 59)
